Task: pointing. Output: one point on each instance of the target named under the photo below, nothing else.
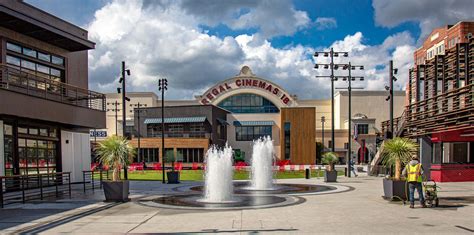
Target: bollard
(307, 173)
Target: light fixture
(336, 66)
(127, 99)
(353, 67)
(346, 54)
(394, 78)
(326, 54)
(344, 79)
(119, 90)
(336, 54)
(387, 99)
(316, 66)
(361, 67)
(395, 71)
(316, 54)
(326, 66)
(362, 79)
(345, 67)
(387, 88)
(121, 80)
(335, 79)
(128, 72)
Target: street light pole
(323, 120)
(124, 111)
(116, 121)
(391, 98)
(138, 132)
(163, 85)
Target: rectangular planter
(116, 191)
(394, 189)
(330, 176)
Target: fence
(93, 179)
(22, 188)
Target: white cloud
(323, 23)
(429, 14)
(164, 40)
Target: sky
(197, 43)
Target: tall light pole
(331, 53)
(124, 113)
(350, 79)
(138, 111)
(116, 121)
(163, 85)
(390, 95)
(323, 120)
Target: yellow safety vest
(414, 173)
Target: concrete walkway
(360, 211)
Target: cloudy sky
(196, 43)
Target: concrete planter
(173, 177)
(394, 189)
(116, 191)
(330, 176)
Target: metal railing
(22, 188)
(93, 179)
(13, 79)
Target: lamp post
(331, 53)
(392, 79)
(116, 121)
(323, 120)
(350, 79)
(138, 111)
(163, 85)
(124, 99)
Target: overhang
(254, 123)
(175, 120)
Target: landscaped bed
(197, 175)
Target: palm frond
(401, 149)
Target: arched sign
(247, 80)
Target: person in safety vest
(413, 173)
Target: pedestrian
(353, 168)
(413, 173)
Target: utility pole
(163, 85)
(323, 120)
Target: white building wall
(2, 150)
(246, 146)
(75, 154)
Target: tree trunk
(330, 167)
(115, 173)
(398, 167)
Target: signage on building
(98, 133)
(238, 83)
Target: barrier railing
(93, 179)
(22, 188)
(13, 79)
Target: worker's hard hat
(414, 157)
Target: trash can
(307, 173)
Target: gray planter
(173, 177)
(394, 189)
(116, 191)
(330, 176)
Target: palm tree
(330, 158)
(397, 151)
(115, 151)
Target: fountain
(262, 164)
(218, 186)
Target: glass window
(23, 130)
(248, 103)
(42, 68)
(13, 60)
(13, 47)
(249, 133)
(7, 129)
(44, 56)
(56, 72)
(28, 65)
(29, 52)
(57, 60)
(287, 136)
(362, 128)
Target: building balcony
(29, 95)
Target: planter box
(116, 191)
(394, 189)
(173, 177)
(330, 176)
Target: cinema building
(245, 107)
(440, 103)
(46, 109)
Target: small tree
(396, 152)
(170, 157)
(115, 151)
(330, 159)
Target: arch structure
(247, 84)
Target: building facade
(250, 107)
(440, 109)
(46, 109)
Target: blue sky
(177, 39)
